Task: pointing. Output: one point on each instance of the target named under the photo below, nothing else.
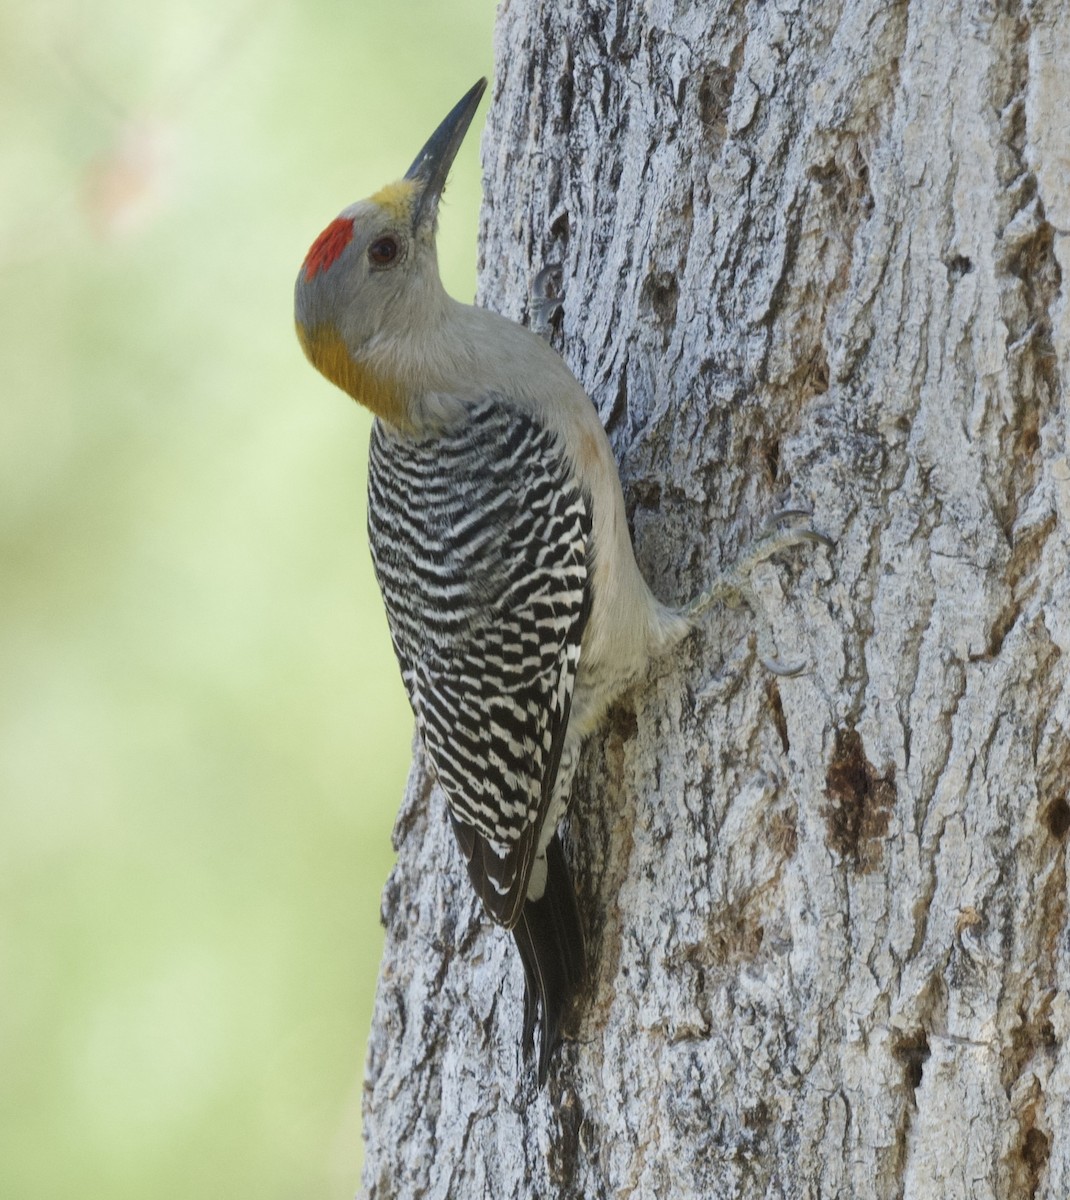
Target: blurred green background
(203, 738)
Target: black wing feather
(480, 539)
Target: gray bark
(812, 255)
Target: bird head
(371, 278)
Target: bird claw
(784, 670)
(808, 534)
(733, 586)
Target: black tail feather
(549, 937)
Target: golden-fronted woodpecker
(500, 542)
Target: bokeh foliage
(202, 733)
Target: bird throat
(328, 353)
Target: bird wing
(480, 539)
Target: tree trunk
(811, 256)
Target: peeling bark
(811, 256)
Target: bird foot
(734, 587)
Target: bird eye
(383, 251)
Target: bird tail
(549, 937)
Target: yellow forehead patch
(396, 199)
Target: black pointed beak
(433, 163)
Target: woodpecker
(499, 540)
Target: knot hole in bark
(912, 1051)
(1057, 818)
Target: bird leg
(733, 585)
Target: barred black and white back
(481, 544)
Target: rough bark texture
(812, 254)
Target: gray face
(359, 268)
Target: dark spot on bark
(618, 411)
(714, 99)
(1032, 263)
(1036, 1150)
(1001, 626)
(1027, 1059)
(1031, 1043)
(912, 1051)
(1025, 557)
(564, 1154)
(735, 933)
(1028, 1160)
(390, 902)
(1057, 818)
(1014, 127)
(622, 722)
(957, 266)
(1026, 552)
(447, 931)
(843, 180)
(566, 100)
(783, 832)
(772, 457)
(816, 382)
(776, 707)
(1028, 431)
(660, 295)
(861, 803)
(758, 1118)
(647, 494)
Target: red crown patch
(327, 247)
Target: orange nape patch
(328, 353)
(327, 247)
